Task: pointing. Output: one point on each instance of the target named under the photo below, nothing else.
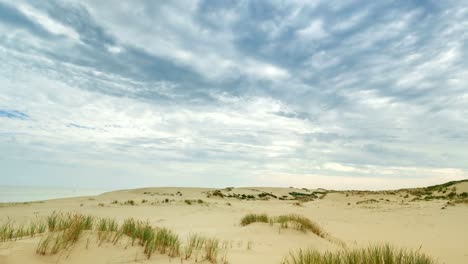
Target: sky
(334, 94)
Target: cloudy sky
(335, 94)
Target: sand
(388, 218)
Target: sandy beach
(405, 219)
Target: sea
(9, 194)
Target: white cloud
(114, 49)
(313, 31)
(266, 71)
(182, 39)
(48, 23)
(350, 22)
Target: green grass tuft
(380, 254)
(254, 218)
(300, 223)
(291, 220)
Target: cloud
(114, 49)
(49, 24)
(325, 94)
(313, 31)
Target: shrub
(303, 196)
(129, 202)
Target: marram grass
(291, 220)
(254, 218)
(376, 254)
(9, 231)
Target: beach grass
(254, 218)
(374, 254)
(10, 231)
(295, 221)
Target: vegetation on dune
(445, 191)
(254, 218)
(190, 202)
(368, 201)
(295, 221)
(303, 196)
(129, 202)
(65, 230)
(440, 187)
(300, 223)
(380, 254)
(9, 231)
(194, 242)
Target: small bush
(129, 202)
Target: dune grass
(195, 242)
(298, 222)
(108, 230)
(301, 223)
(64, 230)
(59, 221)
(377, 254)
(152, 239)
(9, 231)
(209, 247)
(254, 218)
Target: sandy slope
(394, 219)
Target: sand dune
(423, 219)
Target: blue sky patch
(13, 114)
